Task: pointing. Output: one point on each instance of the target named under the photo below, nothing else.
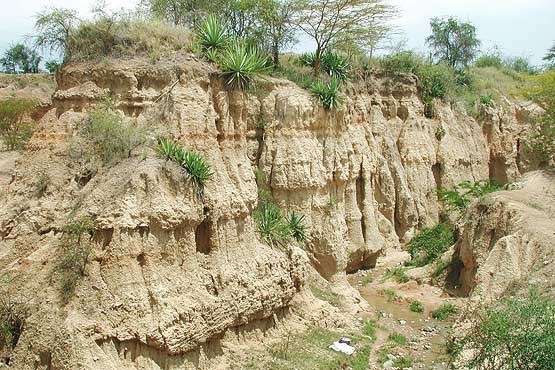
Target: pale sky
(518, 27)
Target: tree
(20, 59)
(453, 42)
(54, 28)
(277, 20)
(52, 66)
(550, 56)
(327, 22)
(178, 12)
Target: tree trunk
(317, 57)
(275, 52)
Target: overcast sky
(518, 27)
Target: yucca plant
(297, 227)
(192, 162)
(307, 59)
(212, 35)
(335, 65)
(271, 224)
(198, 169)
(241, 65)
(166, 148)
(328, 93)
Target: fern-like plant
(212, 35)
(241, 65)
(166, 148)
(297, 227)
(328, 93)
(307, 59)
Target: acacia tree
(327, 22)
(453, 42)
(178, 12)
(54, 28)
(277, 20)
(550, 57)
(20, 59)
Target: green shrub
(398, 338)
(437, 81)
(416, 306)
(41, 185)
(458, 198)
(16, 125)
(402, 363)
(297, 227)
(513, 334)
(367, 280)
(335, 65)
(444, 311)
(430, 243)
(271, 224)
(399, 273)
(390, 294)
(489, 60)
(110, 138)
(402, 62)
(328, 93)
(13, 315)
(193, 163)
(75, 249)
(486, 100)
(369, 328)
(463, 78)
(212, 36)
(242, 65)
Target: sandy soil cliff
(170, 274)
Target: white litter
(342, 347)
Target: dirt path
(404, 339)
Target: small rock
(427, 346)
(391, 357)
(402, 322)
(388, 364)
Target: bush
(241, 65)
(307, 59)
(109, 35)
(437, 81)
(402, 363)
(399, 273)
(430, 243)
(16, 125)
(328, 93)
(521, 65)
(75, 250)
(398, 338)
(402, 62)
(42, 183)
(458, 199)
(444, 311)
(513, 334)
(212, 36)
(13, 314)
(109, 137)
(416, 306)
(489, 60)
(486, 100)
(191, 162)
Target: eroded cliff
(171, 274)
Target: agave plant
(335, 65)
(241, 65)
(307, 59)
(297, 227)
(212, 35)
(197, 168)
(271, 224)
(167, 148)
(328, 93)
